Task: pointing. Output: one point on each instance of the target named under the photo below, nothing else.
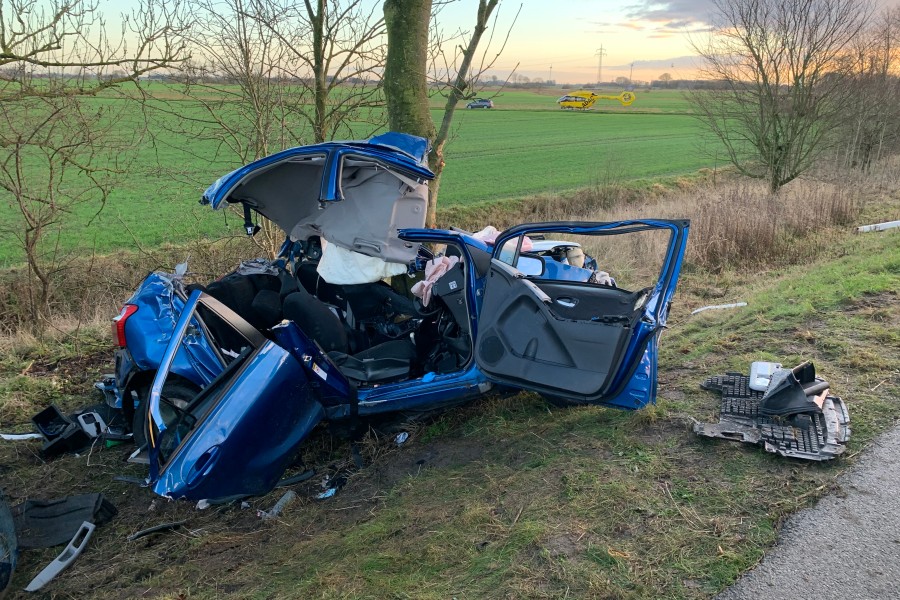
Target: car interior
(374, 332)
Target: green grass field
(508, 497)
(524, 146)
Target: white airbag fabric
(339, 266)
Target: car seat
(389, 361)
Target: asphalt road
(847, 546)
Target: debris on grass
(276, 510)
(164, 527)
(795, 417)
(878, 227)
(72, 551)
(718, 307)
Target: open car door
(570, 331)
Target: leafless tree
(872, 128)
(270, 75)
(61, 151)
(788, 81)
(336, 50)
(454, 73)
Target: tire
(174, 393)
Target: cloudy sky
(563, 37)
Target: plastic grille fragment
(814, 435)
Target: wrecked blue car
(366, 312)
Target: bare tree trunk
(317, 21)
(457, 93)
(405, 85)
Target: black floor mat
(48, 523)
(820, 435)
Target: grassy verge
(508, 497)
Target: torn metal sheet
(819, 435)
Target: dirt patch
(77, 374)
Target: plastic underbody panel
(819, 435)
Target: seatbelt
(250, 228)
(245, 329)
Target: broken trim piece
(718, 307)
(65, 558)
(819, 434)
(878, 227)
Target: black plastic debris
(9, 547)
(165, 527)
(47, 523)
(62, 433)
(814, 427)
(74, 432)
(791, 391)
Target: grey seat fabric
(390, 361)
(316, 320)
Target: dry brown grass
(736, 225)
(92, 289)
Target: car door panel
(530, 342)
(586, 342)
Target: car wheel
(175, 394)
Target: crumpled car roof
(401, 152)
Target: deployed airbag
(339, 266)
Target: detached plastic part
(48, 523)
(9, 546)
(62, 433)
(761, 374)
(276, 510)
(109, 391)
(818, 434)
(65, 558)
(790, 391)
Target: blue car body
(552, 332)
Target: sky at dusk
(559, 39)
(565, 35)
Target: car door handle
(567, 301)
(203, 466)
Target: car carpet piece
(819, 434)
(47, 523)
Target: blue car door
(585, 341)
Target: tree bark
(405, 82)
(457, 93)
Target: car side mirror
(531, 265)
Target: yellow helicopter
(585, 99)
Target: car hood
(354, 194)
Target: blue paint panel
(250, 435)
(149, 330)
